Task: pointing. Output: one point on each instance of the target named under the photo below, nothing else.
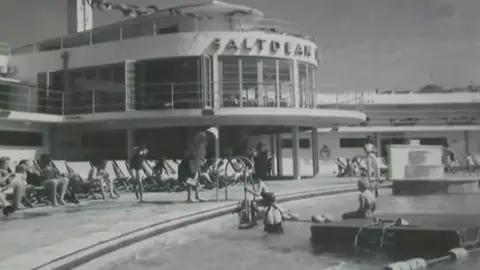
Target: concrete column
(217, 144)
(217, 97)
(378, 145)
(467, 144)
(315, 152)
(130, 142)
(79, 16)
(279, 156)
(295, 157)
(273, 153)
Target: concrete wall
(161, 46)
(455, 139)
(17, 153)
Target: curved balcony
(160, 96)
(153, 26)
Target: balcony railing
(151, 26)
(160, 96)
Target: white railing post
(29, 99)
(93, 101)
(172, 91)
(63, 103)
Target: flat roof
(205, 8)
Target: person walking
(189, 168)
(136, 162)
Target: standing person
(261, 161)
(371, 160)
(136, 162)
(189, 168)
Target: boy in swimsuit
(274, 215)
(367, 202)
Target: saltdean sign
(262, 45)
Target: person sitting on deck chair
(367, 202)
(98, 173)
(54, 184)
(161, 176)
(11, 180)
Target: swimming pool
(218, 244)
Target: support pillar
(273, 153)
(315, 152)
(130, 142)
(217, 144)
(467, 144)
(279, 158)
(295, 149)
(378, 145)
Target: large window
(303, 143)
(96, 89)
(433, 141)
(21, 138)
(230, 81)
(286, 83)
(306, 76)
(250, 81)
(173, 83)
(352, 142)
(269, 71)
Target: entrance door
(385, 142)
(206, 76)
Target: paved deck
(35, 232)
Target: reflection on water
(219, 244)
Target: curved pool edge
(88, 255)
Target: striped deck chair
(123, 175)
(80, 170)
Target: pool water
(218, 244)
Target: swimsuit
(137, 160)
(272, 228)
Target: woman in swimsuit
(136, 163)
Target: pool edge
(84, 256)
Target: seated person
(275, 215)
(207, 171)
(55, 185)
(16, 181)
(367, 202)
(161, 175)
(260, 190)
(98, 173)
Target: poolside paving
(36, 232)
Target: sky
(365, 44)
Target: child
(367, 202)
(275, 215)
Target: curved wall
(255, 43)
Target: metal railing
(246, 170)
(153, 26)
(158, 96)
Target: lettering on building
(260, 45)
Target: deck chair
(118, 182)
(473, 166)
(123, 175)
(80, 169)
